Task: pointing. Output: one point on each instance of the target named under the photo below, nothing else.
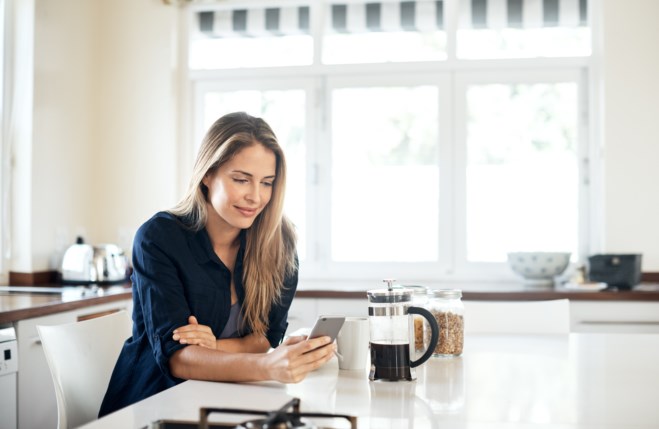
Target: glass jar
(447, 308)
(419, 299)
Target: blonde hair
(270, 241)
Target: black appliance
(616, 270)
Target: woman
(214, 277)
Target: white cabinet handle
(619, 322)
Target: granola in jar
(448, 310)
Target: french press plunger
(392, 333)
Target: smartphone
(327, 325)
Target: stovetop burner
(287, 417)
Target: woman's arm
(288, 363)
(202, 335)
(252, 343)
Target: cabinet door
(304, 311)
(614, 317)
(302, 314)
(346, 307)
(37, 405)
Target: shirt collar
(202, 248)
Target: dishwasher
(8, 372)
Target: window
(383, 32)
(239, 37)
(521, 167)
(425, 139)
(384, 145)
(523, 29)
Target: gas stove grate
(288, 416)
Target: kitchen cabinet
(614, 317)
(585, 315)
(347, 307)
(302, 314)
(304, 311)
(37, 405)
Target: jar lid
(417, 289)
(397, 294)
(447, 293)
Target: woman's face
(240, 189)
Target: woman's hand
(297, 357)
(194, 333)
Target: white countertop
(602, 381)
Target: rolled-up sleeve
(161, 292)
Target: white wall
(631, 132)
(97, 149)
(102, 125)
(136, 146)
(64, 116)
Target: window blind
(365, 16)
(497, 14)
(354, 17)
(254, 22)
(386, 16)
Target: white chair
(81, 357)
(517, 317)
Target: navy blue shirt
(176, 274)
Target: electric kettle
(84, 264)
(392, 333)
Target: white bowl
(538, 267)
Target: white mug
(352, 343)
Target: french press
(392, 333)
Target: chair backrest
(517, 317)
(81, 357)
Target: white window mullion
(323, 162)
(446, 231)
(459, 184)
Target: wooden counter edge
(509, 296)
(59, 307)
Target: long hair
(270, 241)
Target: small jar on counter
(448, 309)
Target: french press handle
(434, 337)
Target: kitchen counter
(576, 381)
(21, 302)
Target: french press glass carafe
(392, 333)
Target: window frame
(452, 75)
(485, 270)
(323, 267)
